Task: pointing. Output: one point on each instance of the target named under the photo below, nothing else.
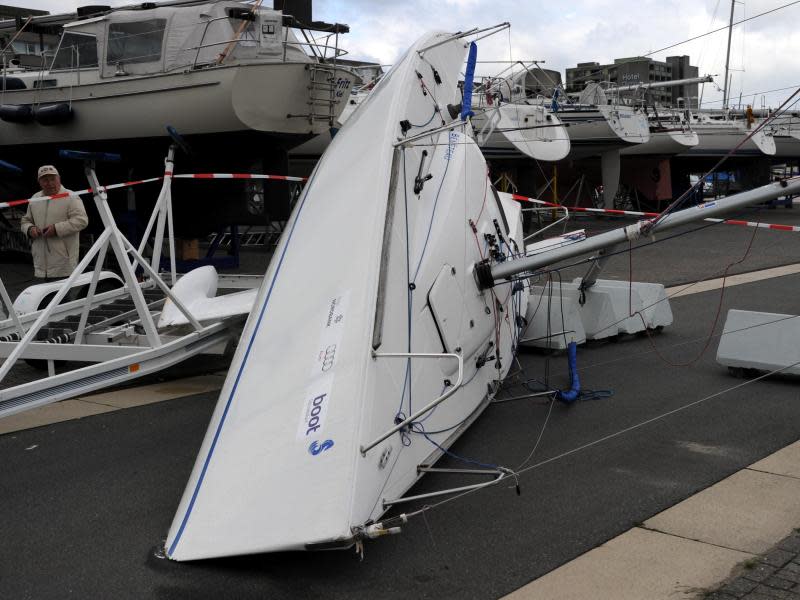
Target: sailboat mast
(728, 58)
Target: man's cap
(46, 170)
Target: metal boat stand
(114, 330)
(497, 475)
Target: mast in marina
(728, 58)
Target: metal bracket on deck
(499, 474)
(429, 407)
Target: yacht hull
(597, 129)
(721, 139)
(515, 130)
(237, 97)
(787, 144)
(664, 143)
(373, 262)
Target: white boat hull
(366, 265)
(664, 143)
(515, 130)
(230, 98)
(787, 144)
(718, 139)
(597, 129)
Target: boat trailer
(114, 330)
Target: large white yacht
(232, 77)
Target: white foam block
(553, 333)
(605, 312)
(759, 340)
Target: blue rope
(463, 459)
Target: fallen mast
(489, 275)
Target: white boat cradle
(394, 353)
(35, 296)
(197, 291)
(113, 325)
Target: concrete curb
(690, 548)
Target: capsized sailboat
(370, 348)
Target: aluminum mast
(728, 57)
(488, 275)
(660, 84)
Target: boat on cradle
(786, 133)
(507, 128)
(719, 135)
(669, 134)
(339, 397)
(670, 131)
(514, 130)
(595, 125)
(128, 73)
(224, 74)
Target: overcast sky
(765, 52)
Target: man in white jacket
(53, 227)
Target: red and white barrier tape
(238, 176)
(756, 224)
(633, 213)
(115, 186)
(103, 188)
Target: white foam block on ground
(553, 333)
(605, 312)
(625, 299)
(759, 340)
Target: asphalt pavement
(88, 502)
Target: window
(75, 49)
(138, 42)
(45, 83)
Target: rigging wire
(697, 37)
(676, 203)
(783, 89)
(640, 353)
(611, 436)
(704, 47)
(715, 321)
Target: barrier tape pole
(633, 213)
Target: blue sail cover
(466, 105)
